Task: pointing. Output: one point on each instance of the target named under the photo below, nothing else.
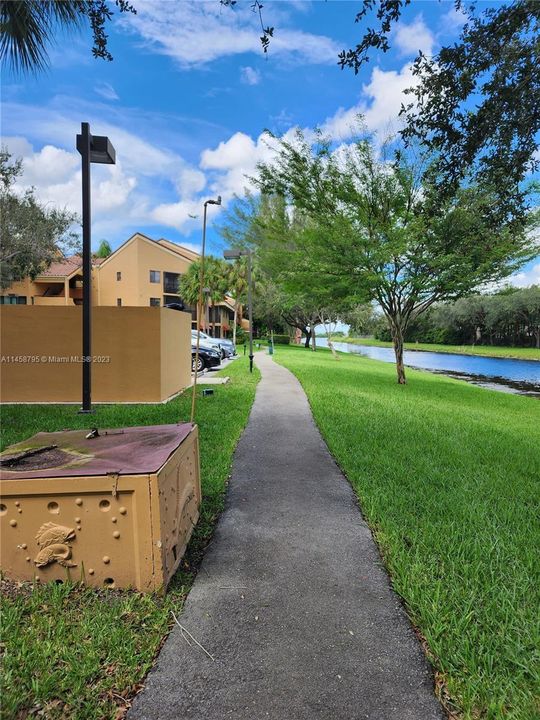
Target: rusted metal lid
(126, 451)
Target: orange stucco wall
(143, 354)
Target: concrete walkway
(291, 600)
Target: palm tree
(237, 285)
(104, 250)
(215, 281)
(28, 27)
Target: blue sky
(187, 98)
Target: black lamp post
(235, 255)
(200, 300)
(93, 149)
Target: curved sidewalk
(291, 601)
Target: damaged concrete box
(111, 508)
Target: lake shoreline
(434, 347)
(516, 376)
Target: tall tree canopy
(32, 235)
(476, 102)
(375, 229)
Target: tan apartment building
(142, 272)
(60, 284)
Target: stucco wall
(175, 336)
(135, 260)
(145, 354)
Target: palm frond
(26, 29)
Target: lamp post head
(101, 149)
(235, 253)
(214, 202)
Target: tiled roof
(62, 268)
(67, 266)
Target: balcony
(171, 282)
(53, 300)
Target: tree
(361, 318)
(268, 304)
(477, 102)
(376, 227)
(104, 250)
(260, 223)
(29, 27)
(214, 282)
(32, 235)
(237, 284)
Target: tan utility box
(115, 510)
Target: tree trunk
(397, 338)
(234, 323)
(313, 339)
(331, 345)
(308, 338)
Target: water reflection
(506, 374)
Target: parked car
(227, 347)
(205, 339)
(208, 357)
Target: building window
(170, 282)
(155, 302)
(155, 276)
(119, 302)
(12, 299)
(118, 275)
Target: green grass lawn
(486, 350)
(73, 652)
(448, 478)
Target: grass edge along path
(447, 477)
(516, 353)
(75, 652)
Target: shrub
(280, 339)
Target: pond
(505, 374)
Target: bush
(280, 340)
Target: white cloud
(50, 162)
(381, 102)
(250, 76)
(453, 20)
(106, 90)
(237, 150)
(190, 181)
(414, 37)
(233, 161)
(198, 33)
(177, 215)
(527, 277)
(55, 173)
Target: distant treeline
(510, 317)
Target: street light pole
(93, 149)
(199, 300)
(87, 272)
(235, 255)
(250, 314)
